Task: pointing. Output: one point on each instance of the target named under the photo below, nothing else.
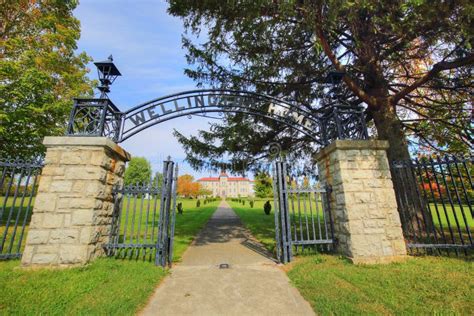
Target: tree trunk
(390, 128)
(416, 217)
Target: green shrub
(243, 202)
(180, 208)
(198, 203)
(251, 203)
(267, 207)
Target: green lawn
(420, 286)
(105, 287)
(332, 285)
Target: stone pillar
(72, 212)
(367, 225)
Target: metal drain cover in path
(224, 266)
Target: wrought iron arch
(100, 117)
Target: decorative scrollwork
(343, 122)
(100, 117)
(95, 117)
(33, 163)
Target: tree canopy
(187, 187)
(263, 185)
(138, 171)
(407, 62)
(40, 72)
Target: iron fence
(18, 186)
(435, 200)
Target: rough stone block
(48, 249)
(44, 184)
(53, 170)
(37, 236)
(364, 197)
(82, 217)
(73, 254)
(86, 173)
(88, 235)
(52, 157)
(100, 158)
(75, 156)
(36, 221)
(44, 259)
(64, 236)
(79, 186)
(61, 186)
(53, 220)
(45, 202)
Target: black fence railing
(18, 186)
(435, 200)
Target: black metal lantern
(107, 72)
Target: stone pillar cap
(347, 144)
(85, 141)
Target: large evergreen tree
(409, 62)
(40, 72)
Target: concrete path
(252, 285)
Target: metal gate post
(287, 222)
(173, 216)
(276, 203)
(160, 241)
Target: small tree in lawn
(267, 207)
(198, 203)
(138, 171)
(180, 208)
(263, 185)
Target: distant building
(225, 186)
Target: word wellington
(158, 110)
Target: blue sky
(146, 45)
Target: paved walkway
(252, 285)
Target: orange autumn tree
(187, 187)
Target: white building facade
(225, 186)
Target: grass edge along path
(106, 286)
(333, 285)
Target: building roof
(228, 179)
(208, 179)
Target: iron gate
(144, 219)
(302, 216)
